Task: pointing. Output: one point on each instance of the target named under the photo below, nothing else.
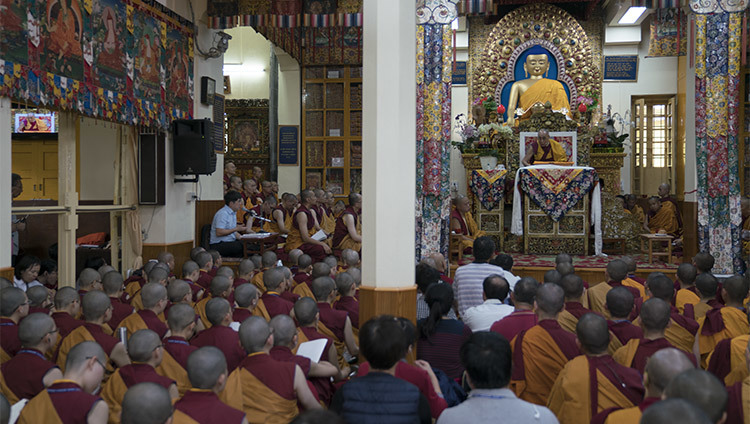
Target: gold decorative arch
(547, 26)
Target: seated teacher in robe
(634, 208)
(544, 150)
(463, 224)
(662, 217)
(536, 89)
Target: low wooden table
(267, 242)
(651, 238)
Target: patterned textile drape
(668, 33)
(434, 73)
(718, 42)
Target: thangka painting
(247, 128)
(129, 61)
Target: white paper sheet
(15, 410)
(313, 349)
(319, 236)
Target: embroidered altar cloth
(488, 187)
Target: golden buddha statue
(536, 89)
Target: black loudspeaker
(151, 173)
(193, 148)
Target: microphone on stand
(255, 215)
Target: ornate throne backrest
(568, 140)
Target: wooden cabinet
(332, 129)
(36, 162)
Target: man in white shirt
(467, 283)
(481, 317)
(225, 232)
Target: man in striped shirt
(467, 283)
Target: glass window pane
(658, 109)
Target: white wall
(656, 76)
(459, 104)
(290, 100)
(98, 144)
(5, 204)
(250, 49)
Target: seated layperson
(545, 150)
(225, 232)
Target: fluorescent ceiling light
(454, 24)
(632, 15)
(241, 68)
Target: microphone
(256, 216)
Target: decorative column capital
(711, 6)
(437, 11)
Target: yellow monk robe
(132, 288)
(180, 417)
(700, 309)
(39, 410)
(172, 369)
(303, 290)
(746, 243)
(558, 153)
(4, 356)
(735, 364)
(469, 228)
(257, 281)
(340, 345)
(629, 282)
(638, 214)
(735, 325)
(113, 391)
(294, 239)
(630, 415)
(665, 219)
(136, 301)
(200, 309)
(539, 354)
(260, 404)
(261, 311)
(80, 334)
(680, 337)
(542, 91)
(684, 297)
(570, 399)
(597, 296)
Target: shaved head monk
(246, 297)
(617, 271)
(523, 317)
(334, 323)
(674, 410)
(725, 322)
(220, 288)
(577, 394)
(112, 283)
(268, 260)
(29, 372)
(463, 224)
(620, 306)
(688, 293)
(146, 403)
(302, 229)
(572, 286)
(97, 310)
(89, 279)
(307, 315)
(662, 217)
(660, 369)
(219, 313)
(67, 306)
(271, 303)
(154, 297)
(265, 389)
(14, 305)
(208, 374)
(182, 325)
(681, 331)
(654, 320)
(71, 399)
(146, 351)
(702, 389)
(540, 352)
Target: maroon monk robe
(205, 407)
(153, 322)
(238, 282)
(577, 310)
(627, 380)
(212, 271)
(290, 297)
(688, 324)
(457, 215)
(120, 311)
(277, 376)
(133, 374)
(735, 406)
(648, 347)
(446, 279)
(321, 387)
(639, 280)
(312, 334)
(25, 371)
(624, 330)
(341, 230)
(275, 304)
(241, 314)
(179, 348)
(9, 336)
(38, 310)
(517, 321)
(204, 279)
(224, 338)
(71, 403)
(302, 277)
(350, 305)
(690, 309)
(196, 289)
(106, 341)
(333, 319)
(314, 250)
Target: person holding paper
(303, 227)
(318, 374)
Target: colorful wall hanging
(247, 132)
(717, 118)
(129, 61)
(434, 76)
(668, 33)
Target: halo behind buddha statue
(547, 30)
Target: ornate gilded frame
(553, 135)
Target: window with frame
(653, 143)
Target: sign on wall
(288, 144)
(621, 68)
(459, 73)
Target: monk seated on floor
(662, 218)
(347, 232)
(303, 228)
(463, 224)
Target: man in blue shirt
(225, 232)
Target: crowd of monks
(297, 217)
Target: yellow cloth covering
(200, 309)
(679, 337)
(347, 242)
(259, 403)
(570, 400)
(180, 417)
(684, 297)
(735, 325)
(340, 345)
(4, 356)
(472, 228)
(597, 296)
(80, 334)
(294, 239)
(665, 219)
(542, 362)
(137, 301)
(261, 311)
(133, 323)
(567, 321)
(638, 213)
(542, 91)
(737, 361)
(629, 282)
(625, 416)
(172, 369)
(303, 290)
(257, 281)
(39, 410)
(700, 310)
(558, 152)
(113, 391)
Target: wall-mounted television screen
(34, 122)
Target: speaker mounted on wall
(193, 149)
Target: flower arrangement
(488, 103)
(588, 101)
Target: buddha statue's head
(536, 65)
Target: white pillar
(5, 195)
(389, 143)
(67, 223)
